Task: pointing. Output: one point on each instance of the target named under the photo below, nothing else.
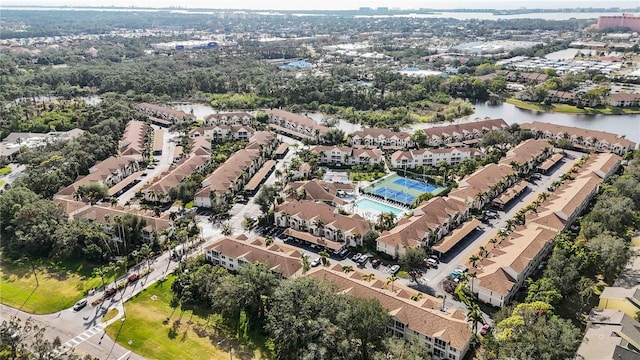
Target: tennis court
(401, 189)
(399, 196)
(413, 184)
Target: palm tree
(417, 296)
(347, 269)
(470, 277)
(493, 242)
(101, 271)
(474, 315)
(227, 229)
(474, 260)
(319, 224)
(392, 279)
(368, 277)
(146, 253)
(268, 241)
(483, 251)
(304, 259)
(324, 257)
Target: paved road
(164, 162)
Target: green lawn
(194, 337)
(59, 286)
(570, 109)
(5, 170)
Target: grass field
(59, 287)
(5, 170)
(195, 336)
(570, 109)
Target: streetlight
(230, 348)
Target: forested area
(302, 317)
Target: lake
(628, 125)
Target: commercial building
(619, 21)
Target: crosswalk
(79, 339)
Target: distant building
(610, 335)
(619, 21)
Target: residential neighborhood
(360, 184)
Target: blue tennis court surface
(417, 185)
(399, 196)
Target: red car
(486, 328)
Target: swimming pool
(367, 204)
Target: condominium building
(411, 159)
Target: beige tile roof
(526, 151)
(576, 131)
(510, 257)
(133, 138)
(423, 316)
(378, 132)
(297, 119)
(547, 164)
(228, 172)
(464, 128)
(259, 176)
(277, 256)
(98, 173)
(512, 192)
(456, 236)
(173, 176)
(159, 109)
(318, 190)
(480, 181)
(158, 140)
(311, 211)
(97, 213)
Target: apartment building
(504, 266)
(318, 190)
(444, 332)
(229, 178)
(158, 189)
(234, 118)
(108, 216)
(431, 221)
(486, 183)
(348, 156)
(217, 133)
(589, 139)
(380, 138)
(610, 335)
(320, 219)
(411, 159)
(165, 113)
(108, 172)
(134, 140)
(295, 125)
(527, 155)
(508, 263)
(465, 133)
(233, 252)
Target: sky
(333, 4)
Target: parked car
(133, 277)
(363, 259)
(375, 263)
(432, 263)
(434, 257)
(316, 262)
(486, 328)
(394, 269)
(356, 257)
(79, 305)
(110, 292)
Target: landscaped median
(155, 330)
(570, 109)
(57, 287)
